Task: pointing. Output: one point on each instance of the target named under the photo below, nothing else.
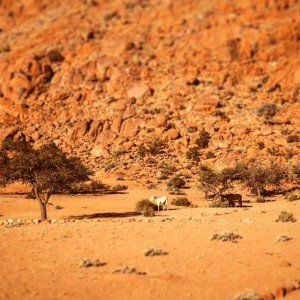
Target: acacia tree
(219, 182)
(47, 170)
(259, 176)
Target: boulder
(131, 126)
(140, 92)
(100, 151)
(172, 134)
(280, 141)
(240, 129)
(106, 137)
(79, 131)
(160, 120)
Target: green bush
(293, 138)
(181, 201)
(155, 146)
(145, 207)
(286, 217)
(219, 204)
(120, 152)
(176, 182)
(267, 110)
(120, 187)
(210, 155)
(203, 139)
(292, 197)
(193, 154)
(141, 151)
(260, 199)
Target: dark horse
(231, 199)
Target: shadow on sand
(107, 215)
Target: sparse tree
(218, 182)
(259, 176)
(47, 170)
(267, 110)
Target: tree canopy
(47, 170)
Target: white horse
(160, 201)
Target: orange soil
(42, 261)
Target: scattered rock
(128, 270)
(86, 262)
(226, 236)
(153, 251)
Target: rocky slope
(99, 78)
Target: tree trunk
(258, 192)
(43, 211)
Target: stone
(280, 292)
(100, 151)
(280, 141)
(172, 134)
(140, 92)
(266, 131)
(240, 129)
(269, 296)
(79, 131)
(285, 264)
(106, 137)
(160, 120)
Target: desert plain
(42, 261)
(105, 80)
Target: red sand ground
(42, 261)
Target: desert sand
(41, 261)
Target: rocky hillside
(102, 78)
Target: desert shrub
(151, 161)
(108, 165)
(292, 197)
(145, 207)
(193, 154)
(97, 185)
(181, 201)
(120, 187)
(246, 295)
(267, 110)
(219, 204)
(152, 187)
(165, 170)
(293, 138)
(260, 145)
(282, 238)
(55, 56)
(5, 49)
(177, 191)
(210, 155)
(286, 217)
(154, 251)
(203, 139)
(191, 129)
(120, 178)
(221, 114)
(226, 236)
(176, 182)
(260, 199)
(273, 151)
(155, 146)
(141, 151)
(120, 152)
